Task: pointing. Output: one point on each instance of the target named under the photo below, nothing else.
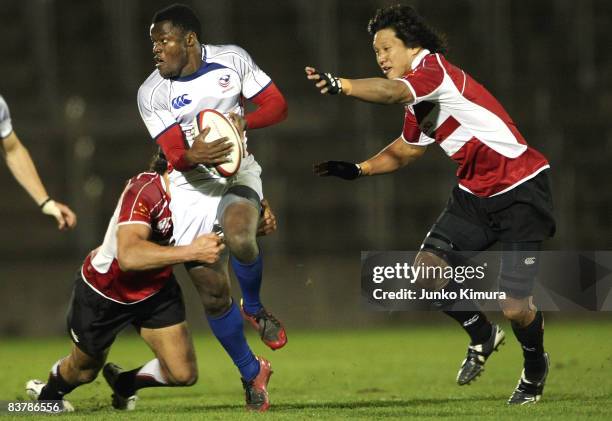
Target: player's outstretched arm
(135, 252)
(377, 90)
(22, 167)
(393, 157)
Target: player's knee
(216, 306)
(242, 245)
(517, 310)
(216, 301)
(431, 274)
(184, 376)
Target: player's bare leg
(175, 365)
(528, 326)
(213, 286)
(240, 223)
(212, 283)
(67, 374)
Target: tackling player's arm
(22, 167)
(136, 252)
(376, 90)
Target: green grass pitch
(396, 373)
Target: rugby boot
(34, 387)
(477, 355)
(270, 329)
(256, 392)
(529, 391)
(111, 372)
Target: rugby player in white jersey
(502, 195)
(126, 281)
(189, 77)
(22, 167)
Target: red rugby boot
(270, 329)
(255, 391)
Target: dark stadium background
(70, 71)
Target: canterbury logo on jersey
(180, 101)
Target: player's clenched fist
(207, 248)
(208, 153)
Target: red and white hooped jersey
(459, 114)
(227, 76)
(143, 201)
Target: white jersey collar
(419, 58)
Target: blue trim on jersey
(166, 129)
(204, 68)
(261, 90)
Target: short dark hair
(182, 16)
(409, 26)
(159, 163)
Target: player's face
(393, 57)
(169, 49)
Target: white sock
(55, 367)
(153, 369)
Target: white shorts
(194, 205)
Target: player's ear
(192, 39)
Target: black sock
(474, 322)
(126, 383)
(56, 387)
(531, 338)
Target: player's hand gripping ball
(220, 126)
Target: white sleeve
(5, 119)
(254, 80)
(155, 113)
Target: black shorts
(94, 321)
(520, 219)
(524, 214)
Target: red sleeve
(173, 143)
(138, 201)
(427, 77)
(271, 108)
(411, 131)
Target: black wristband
(47, 200)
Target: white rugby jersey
(5, 119)
(227, 75)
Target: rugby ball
(221, 126)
